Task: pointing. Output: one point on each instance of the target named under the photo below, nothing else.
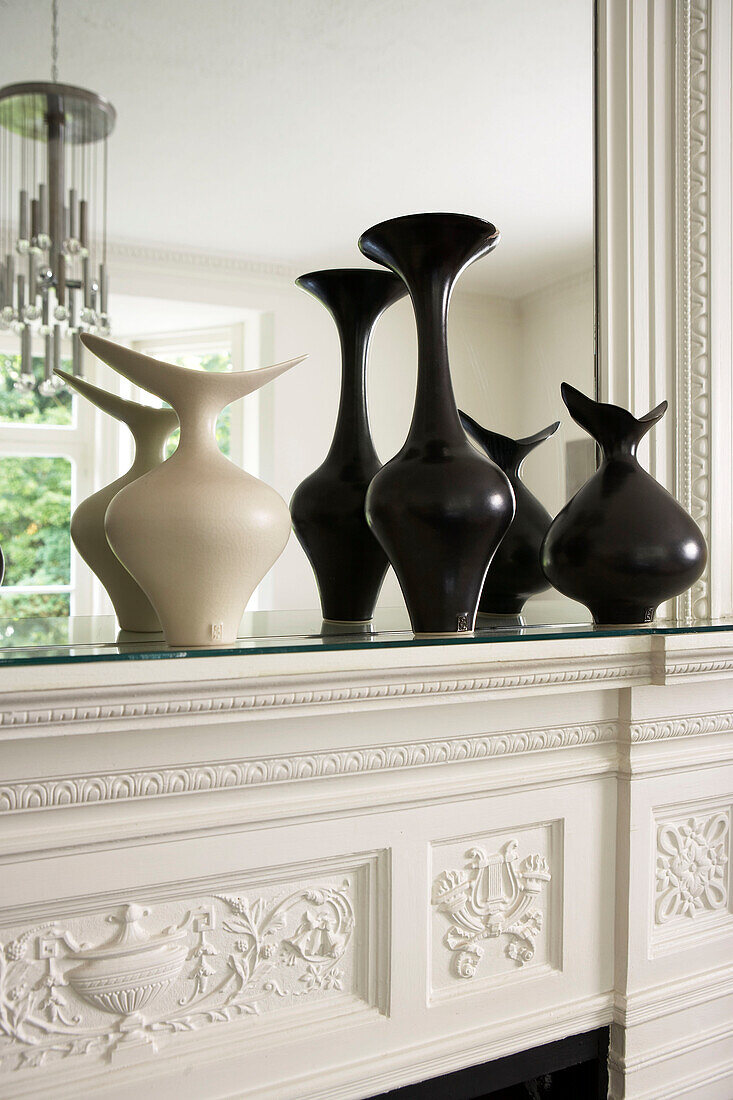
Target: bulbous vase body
(622, 545)
(198, 533)
(151, 429)
(328, 506)
(439, 508)
(515, 572)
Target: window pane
(17, 407)
(38, 605)
(213, 361)
(35, 512)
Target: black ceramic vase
(328, 507)
(622, 545)
(438, 507)
(515, 572)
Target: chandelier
(53, 218)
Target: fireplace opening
(568, 1069)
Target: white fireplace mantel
(472, 849)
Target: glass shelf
(85, 638)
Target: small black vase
(622, 545)
(515, 572)
(328, 507)
(438, 507)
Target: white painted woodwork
(359, 869)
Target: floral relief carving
(224, 958)
(493, 895)
(692, 859)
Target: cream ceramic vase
(151, 429)
(198, 534)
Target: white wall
(556, 345)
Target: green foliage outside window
(30, 408)
(35, 501)
(35, 511)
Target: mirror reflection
(255, 142)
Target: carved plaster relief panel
(496, 907)
(692, 868)
(123, 981)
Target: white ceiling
(280, 129)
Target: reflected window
(28, 406)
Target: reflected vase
(515, 572)
(328, 506)
(197, 533)
(151, 430)
(439, 508)
(622, 545)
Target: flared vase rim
(435, 217)
(340, 272)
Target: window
(42, 440)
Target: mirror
(256, 141)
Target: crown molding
(180, 260)
(196, 701)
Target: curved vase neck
(352, 439)
(434, 415)
(355, 299)
(429, 252)
(150, 427)
(616, 430)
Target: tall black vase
(515, 572)
(438, 507)
(622, 545)
(328, 507)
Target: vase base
(503, 607)
(443, 633)
(347, 622)
(622, 614)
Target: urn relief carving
(223, 957)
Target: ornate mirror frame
(664, 252)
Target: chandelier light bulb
(49, 387)
(24, 383)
